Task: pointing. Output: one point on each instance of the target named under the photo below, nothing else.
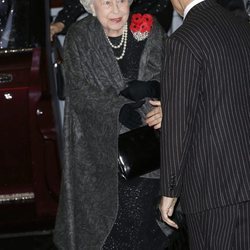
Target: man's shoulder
(189, 38)
(185, 33)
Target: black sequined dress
(135, 227)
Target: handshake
(136, 91)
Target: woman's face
(112, 14)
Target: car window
(21, 24)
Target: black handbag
(138, 152)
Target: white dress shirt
(190, 6)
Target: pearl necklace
(123, 42)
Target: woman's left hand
(154, 117)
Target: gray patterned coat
(89, 188)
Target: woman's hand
(128, 115)
(154, 117)
(138, 90)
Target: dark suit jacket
(206, 104)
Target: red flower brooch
(141, 25)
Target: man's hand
(154, 117)
(167, 208)
(55, 28)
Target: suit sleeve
(180, 94)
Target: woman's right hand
(55, 28)
(138, 90)
(129, 117)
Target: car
(30, 124)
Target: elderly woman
(112, 62)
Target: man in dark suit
(205, 149)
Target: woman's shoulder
(86, 24)
(85, 32)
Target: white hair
(87, 4)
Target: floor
(44, 242)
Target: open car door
(30, 137)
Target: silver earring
(93, 14)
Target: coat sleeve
(180, 94)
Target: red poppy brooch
(141, 25)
